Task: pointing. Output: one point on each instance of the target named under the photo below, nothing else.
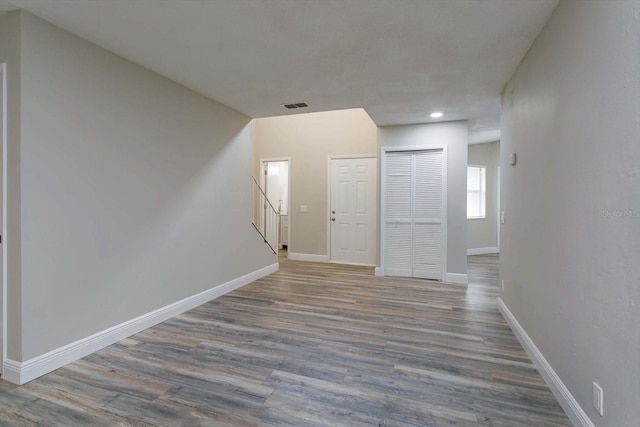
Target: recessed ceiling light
(436, 115)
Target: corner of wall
(11, 33)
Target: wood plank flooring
(312, 345)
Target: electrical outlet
(502, 285)
(598, 399)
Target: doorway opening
(275, 180)
(483, 214)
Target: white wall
(454, 136)
(482, 233)
(570, 254)
(122, 177)
(309, 140)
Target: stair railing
(266, 218)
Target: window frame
(482, 192)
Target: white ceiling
(398, 59)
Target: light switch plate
(303, 208)
(598, 398)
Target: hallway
(312, 345)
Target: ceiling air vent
(296, 105)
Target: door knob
(333, 219)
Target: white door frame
(498, 212)
(262, 182)
(5, 125)
(383, 190)
(336, 157)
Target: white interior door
(353, 211)
(414, 212)
(399, 218)
(427, 215)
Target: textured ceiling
(398, 59)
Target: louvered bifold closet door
(398, 224)
(427, 215)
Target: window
(476, 192)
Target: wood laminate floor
(312, 345)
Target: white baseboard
(456, 278)
(448, 277)
(359, 264)
(23, 372)
(482, 251)
(571, 407)
(308, 257)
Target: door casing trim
(5, 126)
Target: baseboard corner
(459, 278)
(11, 372)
